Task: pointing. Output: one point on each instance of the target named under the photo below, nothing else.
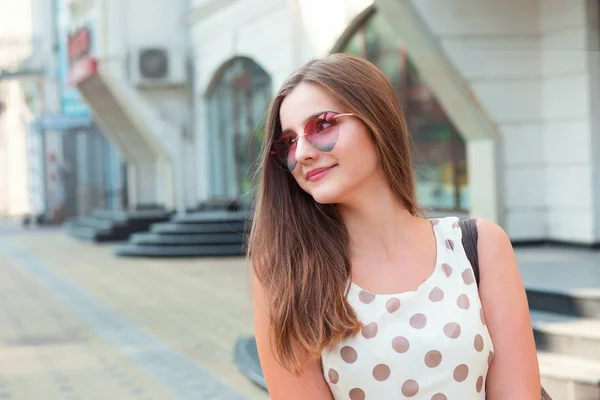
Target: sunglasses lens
(323, 132)
(284, 157)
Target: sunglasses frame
(273, 153)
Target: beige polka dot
(450, 244)
(410, 388)
(482, 316)
(366, 297)
(381, 372)
(490, 357)
(333, 375)
(452, 330)
(478, 343)
(392, 305)
(400, 344)
(447, 269)
(455, 225)
(463, 302)
(418, 321)
(348, 354)
(357, 394)
(479, 384)
(436, 294)
(433, 358)
(369, 331)
(461, 372)
(439, 396)
(468, 276)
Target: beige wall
(527, 63)
(15, 32)
(15, 46)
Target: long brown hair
(299, 248)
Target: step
(563, 334)
(569, 378)
(111, 215)
(134, 250)
(175, 228)
(191, 239)
(95, 235)
(211, 217)
(230, 204)
(575, 302)
(92, 222)
(246, 358)
(80, 232)
(149, 215)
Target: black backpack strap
(469, 242)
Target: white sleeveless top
(431, 343)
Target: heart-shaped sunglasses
(321, 132)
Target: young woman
(357, 296)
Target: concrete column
(593, 53)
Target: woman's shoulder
(492, 239)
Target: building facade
(56, 162)
(129, 62)
(498, 97)
(92, 171)
(16, 45)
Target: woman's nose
(304, 150)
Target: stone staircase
(563, 290)
(566, 326)
(217, 228)
(114, 225)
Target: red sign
(82, 64)
(79, 44)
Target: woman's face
(350, 164)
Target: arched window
(439, 152)
(237, 101)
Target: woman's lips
(318, 173)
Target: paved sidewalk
(78, 323)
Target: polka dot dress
(431, 343)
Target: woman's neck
(377, 223)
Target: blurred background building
(499, 97)
(57, 163)
(159, 104)
(16, 44)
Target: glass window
(236, 111)
(439, 154)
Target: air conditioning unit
(157, 66)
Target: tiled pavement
(78, 323)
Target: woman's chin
(325, 196)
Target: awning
(61, 122)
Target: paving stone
(81, 324)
